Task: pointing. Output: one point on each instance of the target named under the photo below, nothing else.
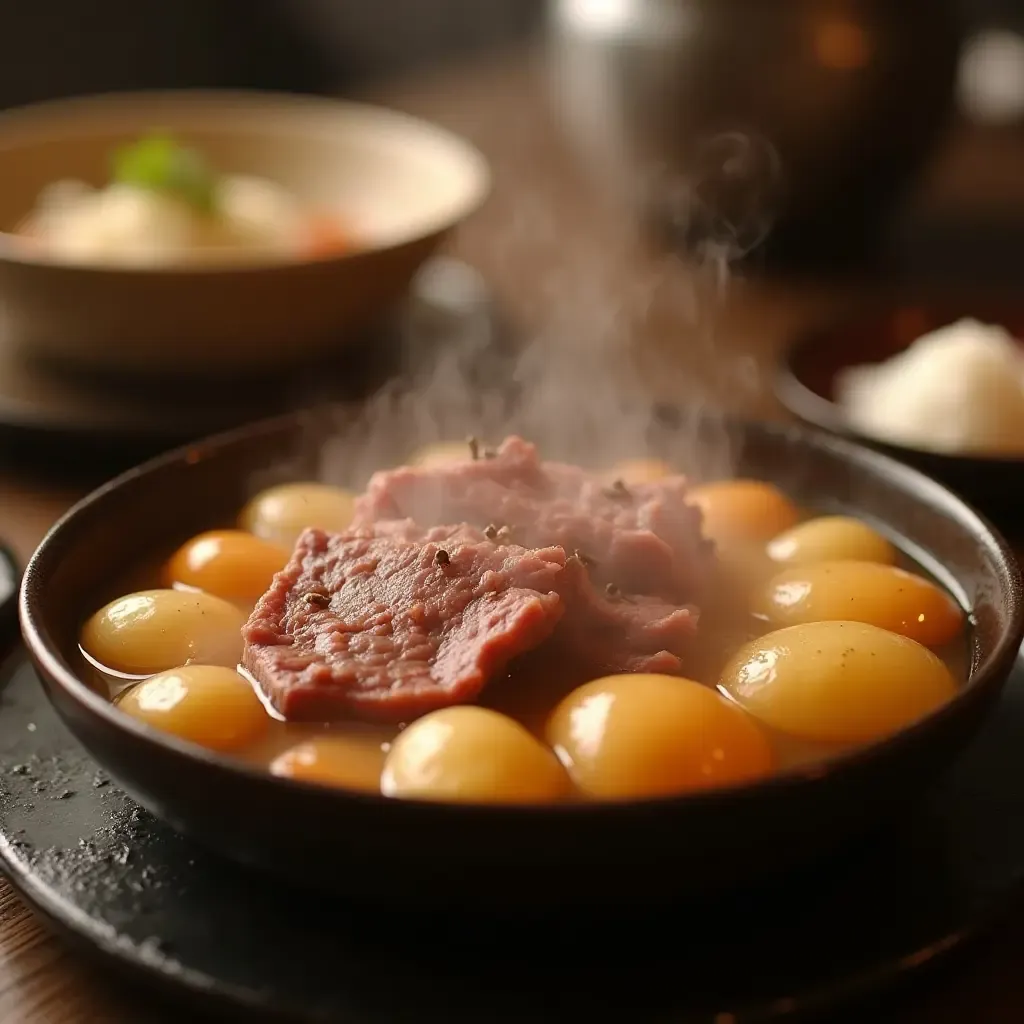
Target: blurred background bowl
(809, 117)
(805, 384)
(399, 183)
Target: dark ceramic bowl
(368, 846)
(805, 385)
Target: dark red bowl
(805, 384)
(368, 846)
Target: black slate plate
(112, 877)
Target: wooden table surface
(565, 262)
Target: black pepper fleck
(479, 451)
(618, 489)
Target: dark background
(965, 220)
(54, 48)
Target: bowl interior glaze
(390, 177)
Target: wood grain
(567, 262)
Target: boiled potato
(837, 682)
(630, 736)
(232, 564)
(743, 510)
(280, 514)
(441, 453)
(475, 755)
(351, 762)
(206, 704)
(881, 595)
(639, 471)
(154, 630)
(829, 539)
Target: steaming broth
(550, 730)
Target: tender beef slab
(643, 539)
(450, 572)
(610, 631)
(387, 625)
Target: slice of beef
(611, 631)
(644, 538)
(387, 625)
(603, 628)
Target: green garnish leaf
(160, 164)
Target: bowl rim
(480, 176)
(982, 678)
(822, 413)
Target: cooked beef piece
(603, 627)
(385, 626)
(662, 663)
(611, 631)
(450, 572)
(644, 538)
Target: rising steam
(621, 332)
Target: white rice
(958, 389)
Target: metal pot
(732, 116)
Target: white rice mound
(959, 389)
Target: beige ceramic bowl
(399, 184)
